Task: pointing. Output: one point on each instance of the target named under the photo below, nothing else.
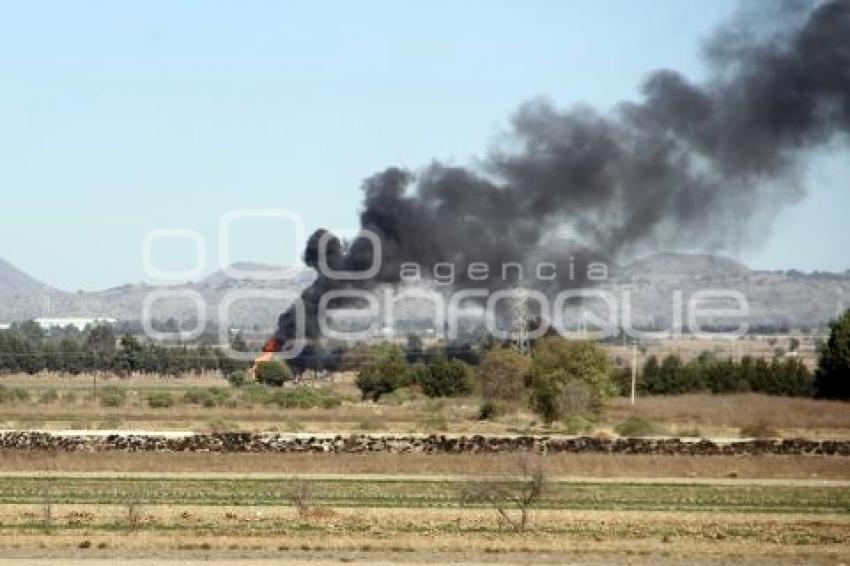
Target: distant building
(5, 326)
(79, 323)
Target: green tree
(502, 374)
(832, 378)
(569, 377)
(446, 378)
(272, 373)
(387, 371)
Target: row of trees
(563, 378)
(27, 349)
(388, 369)
(670, 376)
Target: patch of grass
(434, 423)
(220, 424)
(304, 397)
(491, 409)
(637, 427)
(207, 396)
(690, 433)
(761, 429)
(576, 424)
(13, 394)
(160, 400)
(50, 395)
(401, 396)
(112, 396)
(371, 422)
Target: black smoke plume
(691, 165)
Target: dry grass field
(410, 520)
(68, 403)
(559, 465)
(383, 508)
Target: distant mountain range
(775, 297)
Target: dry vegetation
(409, 506)
(68, 403)
(559, 465)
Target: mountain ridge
(775, 297)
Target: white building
(79, 322)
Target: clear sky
(118, 118)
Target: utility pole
(519, 320)
(634, 371)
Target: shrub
(502, 374)
(160, 400)
(206, 397)
(273, 373)
(49, 396)
(388, 372)
(11, 394)
(491, 409)
(111, 396)
(569, 377)
(304, 397)
(636, 427)
(255, 393)
(447, 378)
(238, 378)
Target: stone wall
(433, 444)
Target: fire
(269, 348)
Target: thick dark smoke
(690, 166)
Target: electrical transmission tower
(519, 320)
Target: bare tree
(134, 513)
(512, 496)
(47, 488)
(301, 497)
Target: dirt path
(419, 478)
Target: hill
(775, 297)
(16, 283)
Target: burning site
(702, 166)
(590, 306)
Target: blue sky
(120, 118)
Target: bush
(11, 394)
(637, 427)
(111, 396)
(304, 397)
(206, 397)
(569, 377)
(387, 373)
(273, 373)
(447, 378)
(50, 395)
(502, 374)
(238, 378)
(160, 400)
(491, 409)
